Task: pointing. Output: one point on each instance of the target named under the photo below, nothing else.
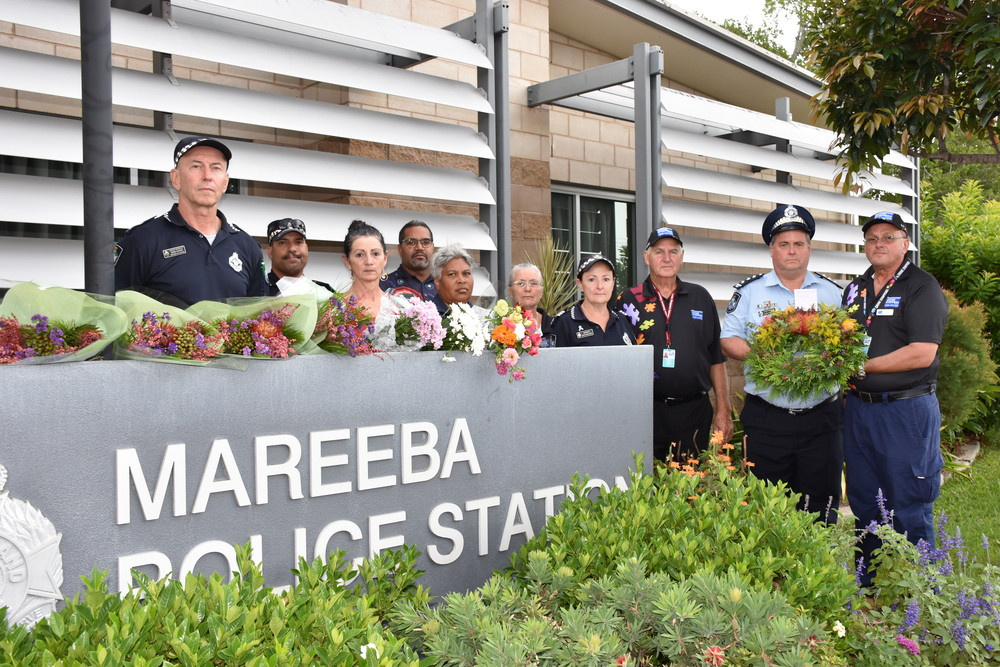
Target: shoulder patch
(748, 281)
(733, 302)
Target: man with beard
(413, 278)
(289, 253)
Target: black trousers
(805, 451)
(681, 431)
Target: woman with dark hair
(365, 257)
(592, 320)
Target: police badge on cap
(785, 218)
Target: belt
(684, 399)
(890, 396)
(753, 398)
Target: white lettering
(220, 453)
(263, 469)
(409, 451)
(366, 457)
(455, 536)
(481, 506)
(460, 434)
(376, 542)
(329, 530)
(511, 526)
(225, 549)
(549, 494)
(317, 462)
(127, 467)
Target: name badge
(697, 315)
(885, 312)
(669, 358)
(584, 333)
(176, 251)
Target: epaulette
(820, 275)
(749, 280)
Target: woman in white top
(365, 257)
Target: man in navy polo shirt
(413, 278)
(192, 253)
(892, 420)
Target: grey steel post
(98, 157)
(647, 63)
(486, 80)
(501, 117)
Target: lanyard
(668, 310)
(885, 292)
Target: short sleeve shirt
(694, 336)
(166, 255)
(754, 300)
(572, 328)
(913, 310)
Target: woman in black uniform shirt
(591, 321)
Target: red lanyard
(667, 311)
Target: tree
(768, 36)
(939, 178)
(912, 73)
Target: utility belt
(753, 398)
(890, 396)
(684, 399)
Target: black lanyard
(885, 292)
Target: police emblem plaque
(30, 562)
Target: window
(587, 222)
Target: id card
(669, 358)
(867, 343)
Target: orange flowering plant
(803, 353)
(512, 335)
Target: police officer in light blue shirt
(794, 441)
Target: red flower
(714, 655)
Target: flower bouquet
(512, 334)
(343, 327)
(419, 325)
(55, 324)
(268, 328)
(465, 330)
(163, 333)
(804, 353)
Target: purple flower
(908, 644)
(912, 615)
(883, 512)
(959, 634)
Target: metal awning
(50, 75)
(148, 149)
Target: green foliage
(207, 621)
(966, 371)
(708, 521)
(556, 266)
(970, 500)
(911, 73)
(962, 250)
(946, 600)
(552, 616)
(939, 178)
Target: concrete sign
(164, 467)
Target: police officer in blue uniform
(192, 253)
(892, 421)
(793, 441)
(413, 278)
(592, 321)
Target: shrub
(966, 371)
(207, 621)
(627, 617)
(941, 604)
(710, 521)
(556, 266)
